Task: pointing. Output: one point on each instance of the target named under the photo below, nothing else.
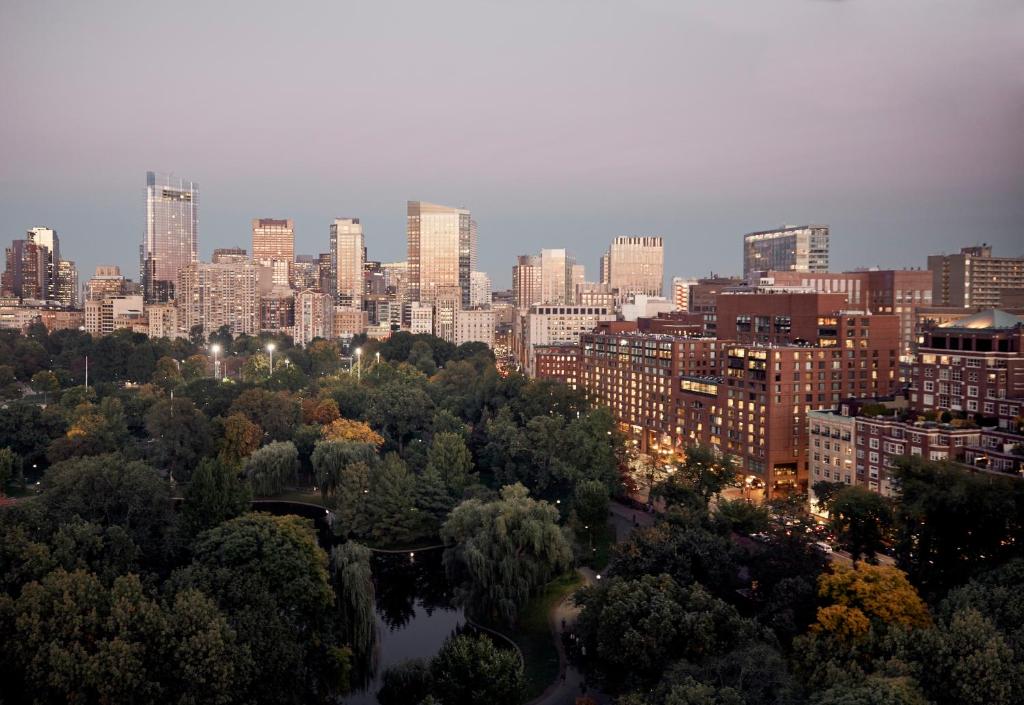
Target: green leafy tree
(277, 413)
(591, 503)
(271, 579)
(180, 436)
(9, 388)
(166, 375)
(256, 368)
(471, 670)
(503, 551)
(391, 516)
(194, 367)
(506, 452)
(860, 518)
(343, 475)
(740, 516)
(272, 468)
(707, 472)
(449, 460)
(873, 690)
(45, 382)
(408, 683)
(352, 581)
(398, 409)
(215, 494)
(825, 493)
(10, 468)
(422, 358)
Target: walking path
(572, 684)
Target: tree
(239, 438)
(352, 581)
(399, 409)
(860, 517)
(93, 430)
(408, 683)
(507, 450)
(348, 430)
(215, 495)
(343, 474)
(277, 413)
(46, 382)
(391, 516)
(422, 358)
(449, 460)
(707, 472)
(269, 577)
(740, 516)
(952, 525)
(9, 388)
(470, 670)
(502, 552)
(194, 367)
(180, 434)
(272, 468)
(867, 597)
(874, 690)
(256, 368)
(321, 411)
(76, 636)
(633, 628)
(825, 493)
(591, 503)
(10, 468)
(112, 491)
(166, 375)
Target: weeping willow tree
(502, 552)
(353, 590)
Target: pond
(414, 614)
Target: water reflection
(414, 614)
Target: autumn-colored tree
(865, 597)
(240, 438)
(349, 430)
(194, 367)
(321, 411)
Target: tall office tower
(25, 272)
(526, 281)
(66, 294)
(172, 234)
(105, 283)
(230, 255)
(479, 289)
(791, 248)
(636, 265)
(974, 278)
(215, 295)
(579, 281)
(556, 284)
(681, 292)
(348, 255)
(472, 245)
(273, 245)
(440, 250)
(47, 237)
(447, 304)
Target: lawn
(307, 496)
(534, 635)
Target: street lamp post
(270, 349)
(359, 363)
(215, 349)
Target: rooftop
(986, 320)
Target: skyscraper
(66, 293)
(348, 255)
(479, 289)
(273, 245)
(791, 248)
(635, 265)
(526, 281)
(172, 230)
(556, 283)
(222, 294)
(441, 250)
(47, 237)
(974, 278)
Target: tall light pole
(270, 349)
(215, 349)
(377, 355)
(359, 363)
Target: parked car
(823, 546)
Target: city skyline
(709, 136)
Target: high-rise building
(104, 316)
(47, 238)
(556, 277)
(546, 324)
(314, 316)
(163, 321)
(172, 234)
(635, 265)
(216, 295)
(26, 268)
(67, 284)
(479, 289)
(527, 288)
(105, 283)
(440, 247)
(273, 245)
(791, 248)
(974, 278)
(348, 256)
(230, 255)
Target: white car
(823, 546)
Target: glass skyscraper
(441, 251)
(348, 254)
(171, 239)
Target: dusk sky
(898, 123)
